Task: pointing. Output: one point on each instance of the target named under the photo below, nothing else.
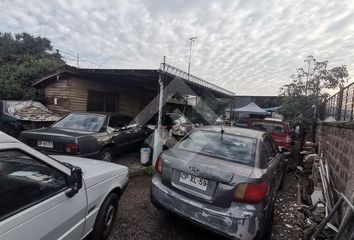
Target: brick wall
(336, 142)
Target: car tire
(105, 218)
(106, 155)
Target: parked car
(17, 116)
(242, 122)
(279, 130)
(224, 180)
(90, 135)
(56, 197)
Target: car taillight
(72, 148)
(288, 139)
(250, 192)
(159, 165)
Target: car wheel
(105, 155)
(106, 218)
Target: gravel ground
(138, 218)
(286, 214)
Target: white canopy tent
(251, 108)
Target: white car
(56, 197)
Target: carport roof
(142, 77)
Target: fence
(341, 105)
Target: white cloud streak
(250, 47)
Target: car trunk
(49, 139)
(203, 177)
(280, 138)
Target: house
(70, 89)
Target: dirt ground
(138, 219)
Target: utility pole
(190, 53)
(78, 60)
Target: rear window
(268, 127)
(83, 122)
(229, 147)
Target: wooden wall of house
(72, 94)
(130, 100)
(61, 91)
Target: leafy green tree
(23, 58)
(305, 96)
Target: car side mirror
(75, 181)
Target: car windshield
(225, 146)
(268, 126)
(82, 122)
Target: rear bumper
(93, 155)
(240, 221)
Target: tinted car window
(126, 120)
(269, 149)
(25, 181)
(230, 147)
(116, 122)
(83, 122)
(268, 127)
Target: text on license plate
(45, 144)
(193, 181)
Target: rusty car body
(224, 179)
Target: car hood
(94, 171)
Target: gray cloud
(250, 47)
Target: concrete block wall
(336, 142)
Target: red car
(278, 129)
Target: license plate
(45, 144)
(193, 181)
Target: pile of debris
(325, 213)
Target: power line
(78, 58)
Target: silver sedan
(224, 179)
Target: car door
(119, 133)
(272, 162)
(33, 202)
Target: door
(119, 133)
(33, 203)
(274, 169)
(136, 133)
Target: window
(227, 146)
(268, 127)
(269, 149)
(115, 123)
(82, 122)
(101, 102)
(25, 181)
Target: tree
(23, 58)
(305, 96)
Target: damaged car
(91, 135)
(224, 179)
(17, 116)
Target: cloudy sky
(249, 47)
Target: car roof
(267, 120)
(101, 113)
(4, 138)
(234, 130)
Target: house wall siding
(61, 91)
(75, 92)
